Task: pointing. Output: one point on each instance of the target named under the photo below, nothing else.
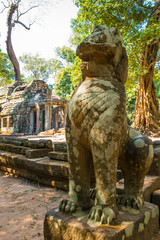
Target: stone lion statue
(97, 133)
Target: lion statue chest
(98, 102)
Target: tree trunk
(10, 50)
(147, 106)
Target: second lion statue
(97, 133)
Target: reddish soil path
(23, 205)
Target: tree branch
(4, 7)
(28, 10)
(8, 2)
(28, 28)
(18, 1)
(17, 21)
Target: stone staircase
(46, 162)
(30, 159)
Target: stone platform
(141, 225)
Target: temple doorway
(43, 121)
(34, 121)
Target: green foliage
(132, 18)
(76, 75)
(130, 102)
(71, 75)
(63, 86)
(66, 54)
(40, 68)
(6, 70)
(138, 26)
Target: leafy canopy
(63, 86)
(68, 77)
(40, 68)
(6, 70)
(66, 54)
(132, 18)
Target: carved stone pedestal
(130, 225)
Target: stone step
(13, 148)
(18, 141)
(31, 143)
(30, 153)
(42, 170)
(156, 143)
(155, 167)
(61, 156)
(60, 147)
(38, 143)
(36, 153)
(156, 199)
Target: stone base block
(140, 225)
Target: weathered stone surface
(156, 143)
(38, 143)
(97, 133)
(46, 180)
(42, 170)
(156, 199)
(11, 140)
(36, 153)
(13, 148)
(128, 226)
(60, 147)
(62, 156)
(155, 167)
(29, 108)
(151, 183)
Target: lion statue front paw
(101, 214)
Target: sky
(52, 31)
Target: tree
(63, 86)
(72, 63)
(147, 105)
(138, 21)
(16, 11)
(6, 70)
(76, 74)
(67, 54)
(66, 80)
(40, 68)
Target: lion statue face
(102, 54)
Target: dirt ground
(23, 205)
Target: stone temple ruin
(30, 108)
